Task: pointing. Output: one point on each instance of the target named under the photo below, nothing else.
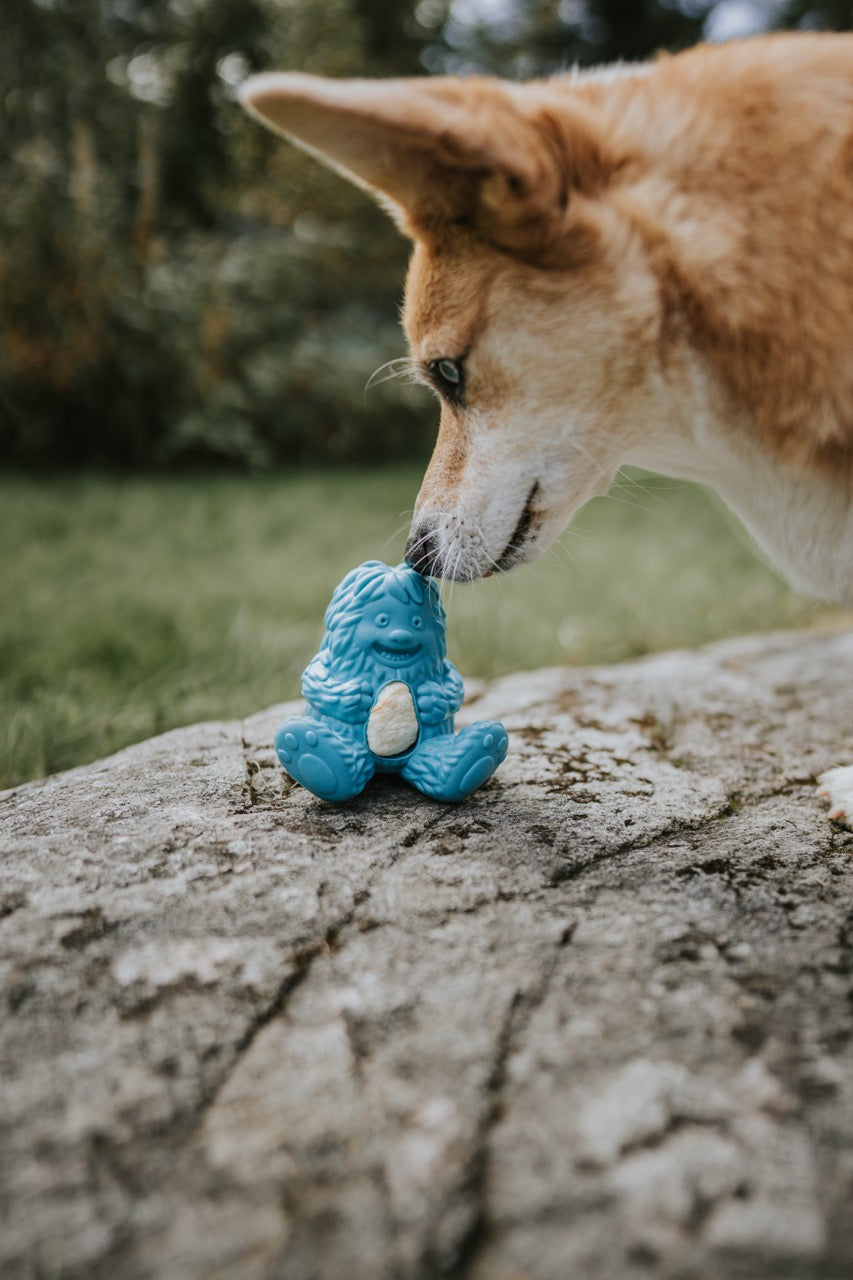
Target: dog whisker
(400, 367)
(392, 537)
(560, 553)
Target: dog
(648, 264)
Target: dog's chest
(392, 726)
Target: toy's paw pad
(318, 777)
(320, 759)
(836, 786)
(451, 766)
(490, 749)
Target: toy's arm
(453, 687)
(348, 700)
(437, 701)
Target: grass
(134, 605)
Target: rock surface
(594, 1023)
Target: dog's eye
(382, 619)
(417, 622)
(448, 377)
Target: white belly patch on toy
(392, 727)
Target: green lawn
(133, 605)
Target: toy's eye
(382, 619)
(417, 622)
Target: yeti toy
(381, 696)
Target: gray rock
(594, 1023)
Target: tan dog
(642, 264)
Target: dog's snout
(422, 551)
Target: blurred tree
(175, 284)
(539, 37)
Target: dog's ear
(442, 151)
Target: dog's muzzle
(424, 554)
(526, 522)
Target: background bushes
(175, 285)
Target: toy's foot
(836, 786)
(326, 763)
(452, 766)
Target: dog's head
(530, 306)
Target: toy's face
(399, 635)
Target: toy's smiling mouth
(396, 657)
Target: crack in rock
(519, 1013)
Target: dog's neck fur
(802, 524)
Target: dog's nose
(422, 552)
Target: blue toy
(381, 696)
